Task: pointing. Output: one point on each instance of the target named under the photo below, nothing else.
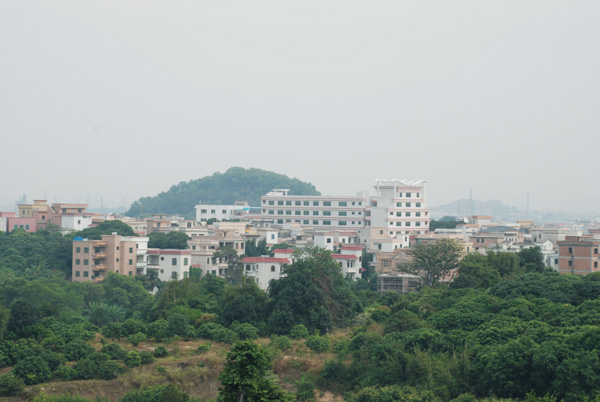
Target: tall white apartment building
(322, 212)
(398, 208)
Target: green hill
(236, 184)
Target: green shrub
(161, 393)
(135, 339)
(318, 344)
(86, 369)
(305, 389)
(280, 342)
(77, 350)
(132, 359)
(225, 335)
(109, 370)
(146, 357)
(245, 331)
(205, 347)
(298, 332)
(161, 369)
(160, 351)
(10, 385)
(33, 370)
(157, 329)
(114, 330)
(65, 373)
(115, 351)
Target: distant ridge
(462, 208)
(236, 184)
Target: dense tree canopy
(236, 184)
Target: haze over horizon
(122, 99)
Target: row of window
(212, 211)
(406, 223)
(86, 250)
(407, 214)
(26, 227)
(314, 203)
(314, 213)
(316, 222)
(408, 205)
(409, 195)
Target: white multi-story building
(169, 264)
(321, 212)
(399, 208)
(264, 269)
(205, 212)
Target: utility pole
(527, 206)
(471, 201)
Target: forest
(235, 184)
(507, 329)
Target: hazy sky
(123, 98)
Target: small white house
(169, 264)
(264, 269)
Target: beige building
(94, 259)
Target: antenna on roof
(471, 200)
(527, 206)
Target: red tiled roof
(284, 250)
(343, 257)
(352, 248)
(266, 259)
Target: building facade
(579, 255)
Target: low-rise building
(169, 264)
(579, 255)
(264, 269)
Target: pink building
(27, 224)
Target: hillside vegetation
(236, 184)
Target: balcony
(100, 243)
(152, 266)
(140, 265)
(99, 255)
(99, 267)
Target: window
(418, 204)
(279, 220)
(271, 212)
(247, 267)
(408, 205)
(595, 251)
(78, 249)
(342, 213)
(417, 214)
(173, 261)
(174, 275)
(399, 195)
(327, 213)
(271, 202)
(408, 214)
(86, 274)
(117, 247)
(185, 274)
(297, 203)
(305, 212)
(556, 260)
(315, 213)
(343, 203)
(86, 250)
(86, 262)
(26, 227)
(288, 212)
(279, 202)
(326, 203)
(272, 236)
(272, 268)
(185, 261)
(399, 204)
(306, 203)
(417, 223)
(77, 262)
(326, 222)
(408, 195)
(329, 240)
(570, 263)
(203, 211)
(305, 222)
(280, 212)
(595, 264)
(288, 203)
(130, 250)
(315, 203)
(77, 274)
(570, 249)
(315, 222)
(398, 223)
(117, 260)
(208, 260)
(342, 223)
(212, 211)
(407, 224)
(418, 195)
(391, 214)
(130, 262)
(297, 212)
(381, 232)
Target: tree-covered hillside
(236, 184)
